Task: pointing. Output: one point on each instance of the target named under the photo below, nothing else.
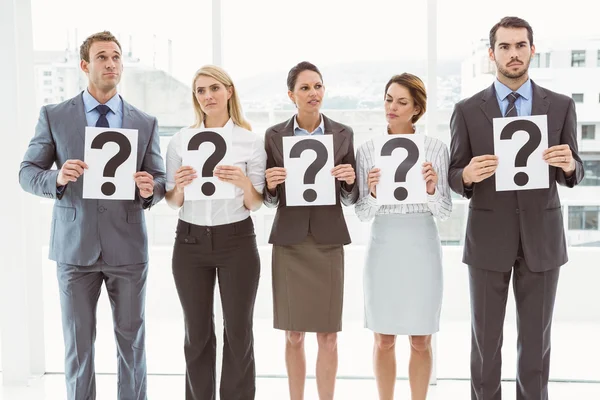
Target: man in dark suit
(517, 233)
(95, 241)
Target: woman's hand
(345, 173)
(430, 176)
(373, 180)
(275, 176)
(233, 175)
(183, 177)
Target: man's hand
(70, 171)
(480, 168)
(145, 183)
(561, 157)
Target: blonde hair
(234, 107)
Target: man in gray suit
(97, 240)
(518, 233)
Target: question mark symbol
(413, 155)
(535, 138)
(313, 169)
(208, 188)
(108, 188)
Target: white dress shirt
(439, 204)
(248, 153)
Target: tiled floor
(51, 387)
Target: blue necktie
(102, 121)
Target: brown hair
(105, 36)
(416, 87)
(297, 69)
(511, 22)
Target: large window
(357, 48)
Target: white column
(217, 54)
(21, 293)
(217, 33)
(432, 115)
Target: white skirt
(403, 279)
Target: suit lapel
(127, 115)
(489, 104)
(79, 118)
(287, 130)
(335, 129)
(540, 102)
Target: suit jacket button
(101, 209)
(518, 211)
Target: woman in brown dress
(308, 253)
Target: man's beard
(512, 75)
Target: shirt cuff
(60, 191)
(434, 198)
(148, 202)
(372, 201)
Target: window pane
(588, 132)
(575, 217)
(592, 173)
(577, 97)
(578, 58)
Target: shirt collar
(524, 91)
(91, 103)
(229, 124)
(321, 125)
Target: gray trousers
(79, 291)
(535, 293)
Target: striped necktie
(511, 110)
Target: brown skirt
(308, 286)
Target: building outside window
(592, 173)
(583, 217)
(535, 61)
(578, 58)
(588, 132)
(577, 97)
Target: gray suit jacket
(84, 229)
(499, 220)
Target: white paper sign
(308, 161)
(400, 158)
(204, 149)
(519, 143)
(111, 156)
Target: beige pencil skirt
(308, 286)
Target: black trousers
(200, 255)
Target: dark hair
(297, 69)
(105, 36)
(416, 87)
(511, 22)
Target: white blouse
(248, 154)
(439, 204)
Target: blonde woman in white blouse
(215, 239)
(403, 267)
